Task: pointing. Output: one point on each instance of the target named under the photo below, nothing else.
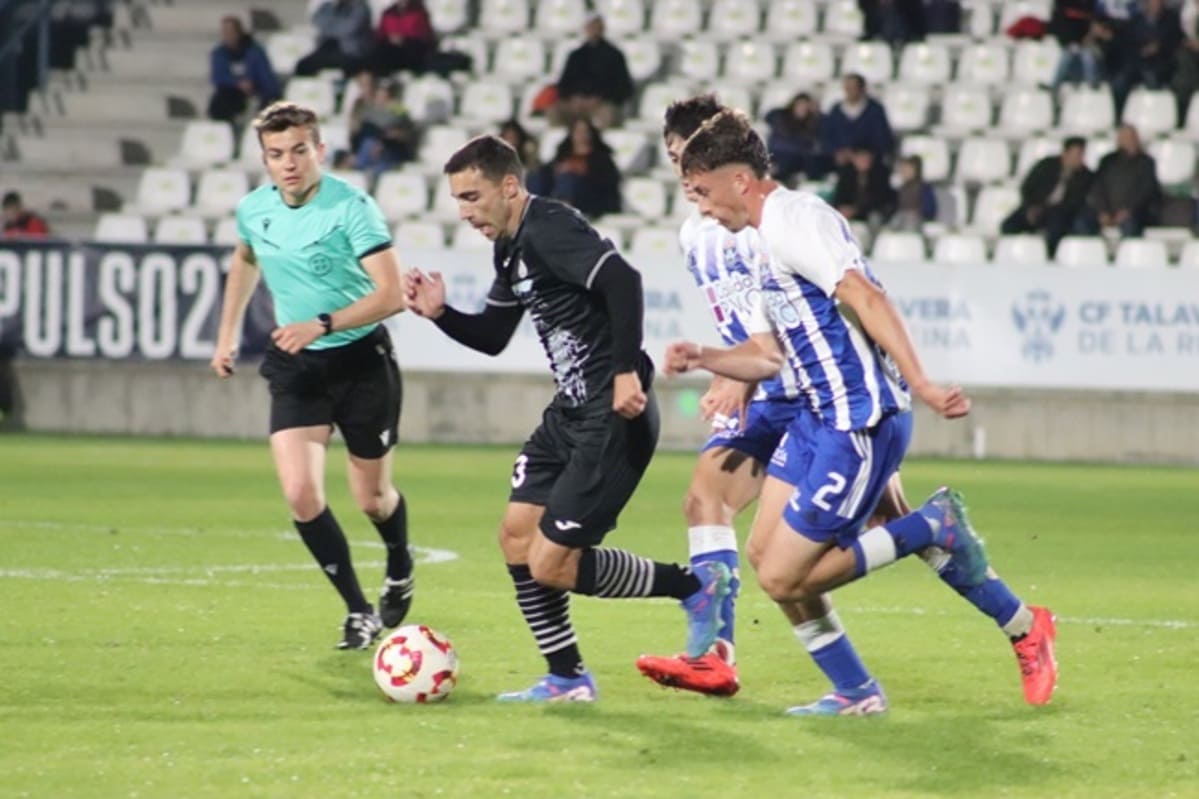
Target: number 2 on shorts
(834, 486)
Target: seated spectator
(582, 173)
(859, 121)
(239, 69)
(1186, 63)
(1053, 196)
(525, 145)
(382, 133)
(1125, 193)
(344, 38)
(864, 191)
(916, 201)
(1073, 25)
(795, 143)
(943, 16)
(595, 83)
(1149, 44)
(404, 39)
(894, 21)
(20, 223)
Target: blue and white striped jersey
(849, 380)
(726, 266)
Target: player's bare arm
(239, 287)
(756, 359)
(883, 324)
(386, 299)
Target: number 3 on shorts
(518, 470)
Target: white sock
(877, 548)
(708, 538)
(819, 633)
(1020, 624)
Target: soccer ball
(416, 664)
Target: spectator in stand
(1149, 45)
(523, 142)
(1186, 68)
(894, 21)
(595, 83)
(864, 192)
(381, 131)
(795, 142)
(1072, 25)
(239, 69)
(582, 173)
(1125, 194)
(943, 16)
(858, 121)
(916, 201)
(20, 223)
(344, 38)
(404, 39)
(1053, 196)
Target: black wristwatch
(326, 321)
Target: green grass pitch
(164, 634)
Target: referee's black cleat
(395, 600)
(360, 630)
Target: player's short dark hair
(1074, 141)
(11, 200)
(491, 155)
(282, 114)
(724, 139)
(683, 117)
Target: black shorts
(582, 466)
(355, 386)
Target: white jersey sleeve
(689, 232)
(805, 236)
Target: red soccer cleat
(1034, 652)
(709, 674)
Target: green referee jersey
(309, 256)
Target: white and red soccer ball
(416, 664)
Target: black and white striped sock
(617, 573)
(547, 612)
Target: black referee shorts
(583, 466)
(355, 386)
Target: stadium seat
(249, 152)
(979, 20)
(560, 17)
(1034, 63)
(1189, 257)
(698, 59)
(225, 233)
(656, 97)
(220, 190)
(1142, 254)
(180, 230)
(612, 234)
(121, 229)
(643, 56)
(1175, 162)
(993, 205)
(1151, 112)
(443, 207)
(1086, 110)
(671, 20)
(415, 235)
(448, 16)
(429, 99)
(285, 49)
(1081, 252)
(486, 101)
(983, 160)
(316, 93)
(1033, 150)
(336, 136)
(519, 58)
(933, 151)
(680, 207)
(1010, 12)
(563, 47)
(960, 248)
(790, 20)
(439, 143)
(1021, 250)
(1190, 128)
(925, 64)
(654, 242)
(733, 19)
(741, 98)
(808, 62)
(750, 61)
(891, 246)
(205, 143)
(965, 108)
(622, 17)
(161, 190)
(1097, 148)
(843, 19)
(467, 238)
(645, 197)
(984, 64)
(471, 44)
(871, 60)
(631, 150)
(504, 16)
(401, 194)
(1024, 112)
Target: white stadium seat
(960, 248)
(504, 16)
(657, 96)
(983, 160)
(965, 108)
(401, 194)
(1021, 250)
(732, 19)
(750, 61)
(645, 197)
(448, 15)
(560, 16)
(1025, 111)
(993, 205)
(926, 64)
(1142, 254)
(643, 56)
(467, 238)
(699, 59)
(622, 17)
(871, 60)
(225, 233)
(1175, 161)
(1086, 110)
(415, 235)
(1151, 112)
(891, 246)
(1081, 252)
(654, 242)
(473, 44)
(443, 207)
(180, 230)
(285, 49)
(790, 20)
(671, 20)
(519, 58)
(162, 190)
(843, 19)
(631, 150)
(220, 190)
(1189, 257)
(205, 143)
(1097, 148)
(486, 101)
(1034, 63)
(983, 64)
(439, 143)
(1033, 150)
(907, 106)
(429, 99)
(121, 229)
(316, 93)
(933, 151)
(808, 62)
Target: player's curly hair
(726, 138)
(683, 117)
(282, 114)
(491, 155)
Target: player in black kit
(580, 466)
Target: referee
(325, 252)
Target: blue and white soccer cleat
(703, 607)
(868, 700)
(552, 688)
(946, 512)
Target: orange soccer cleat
(1034, 652)
(711, 673)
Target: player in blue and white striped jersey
(825, 318)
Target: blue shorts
(839, 476)
(766, 422)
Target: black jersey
(548, 267)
